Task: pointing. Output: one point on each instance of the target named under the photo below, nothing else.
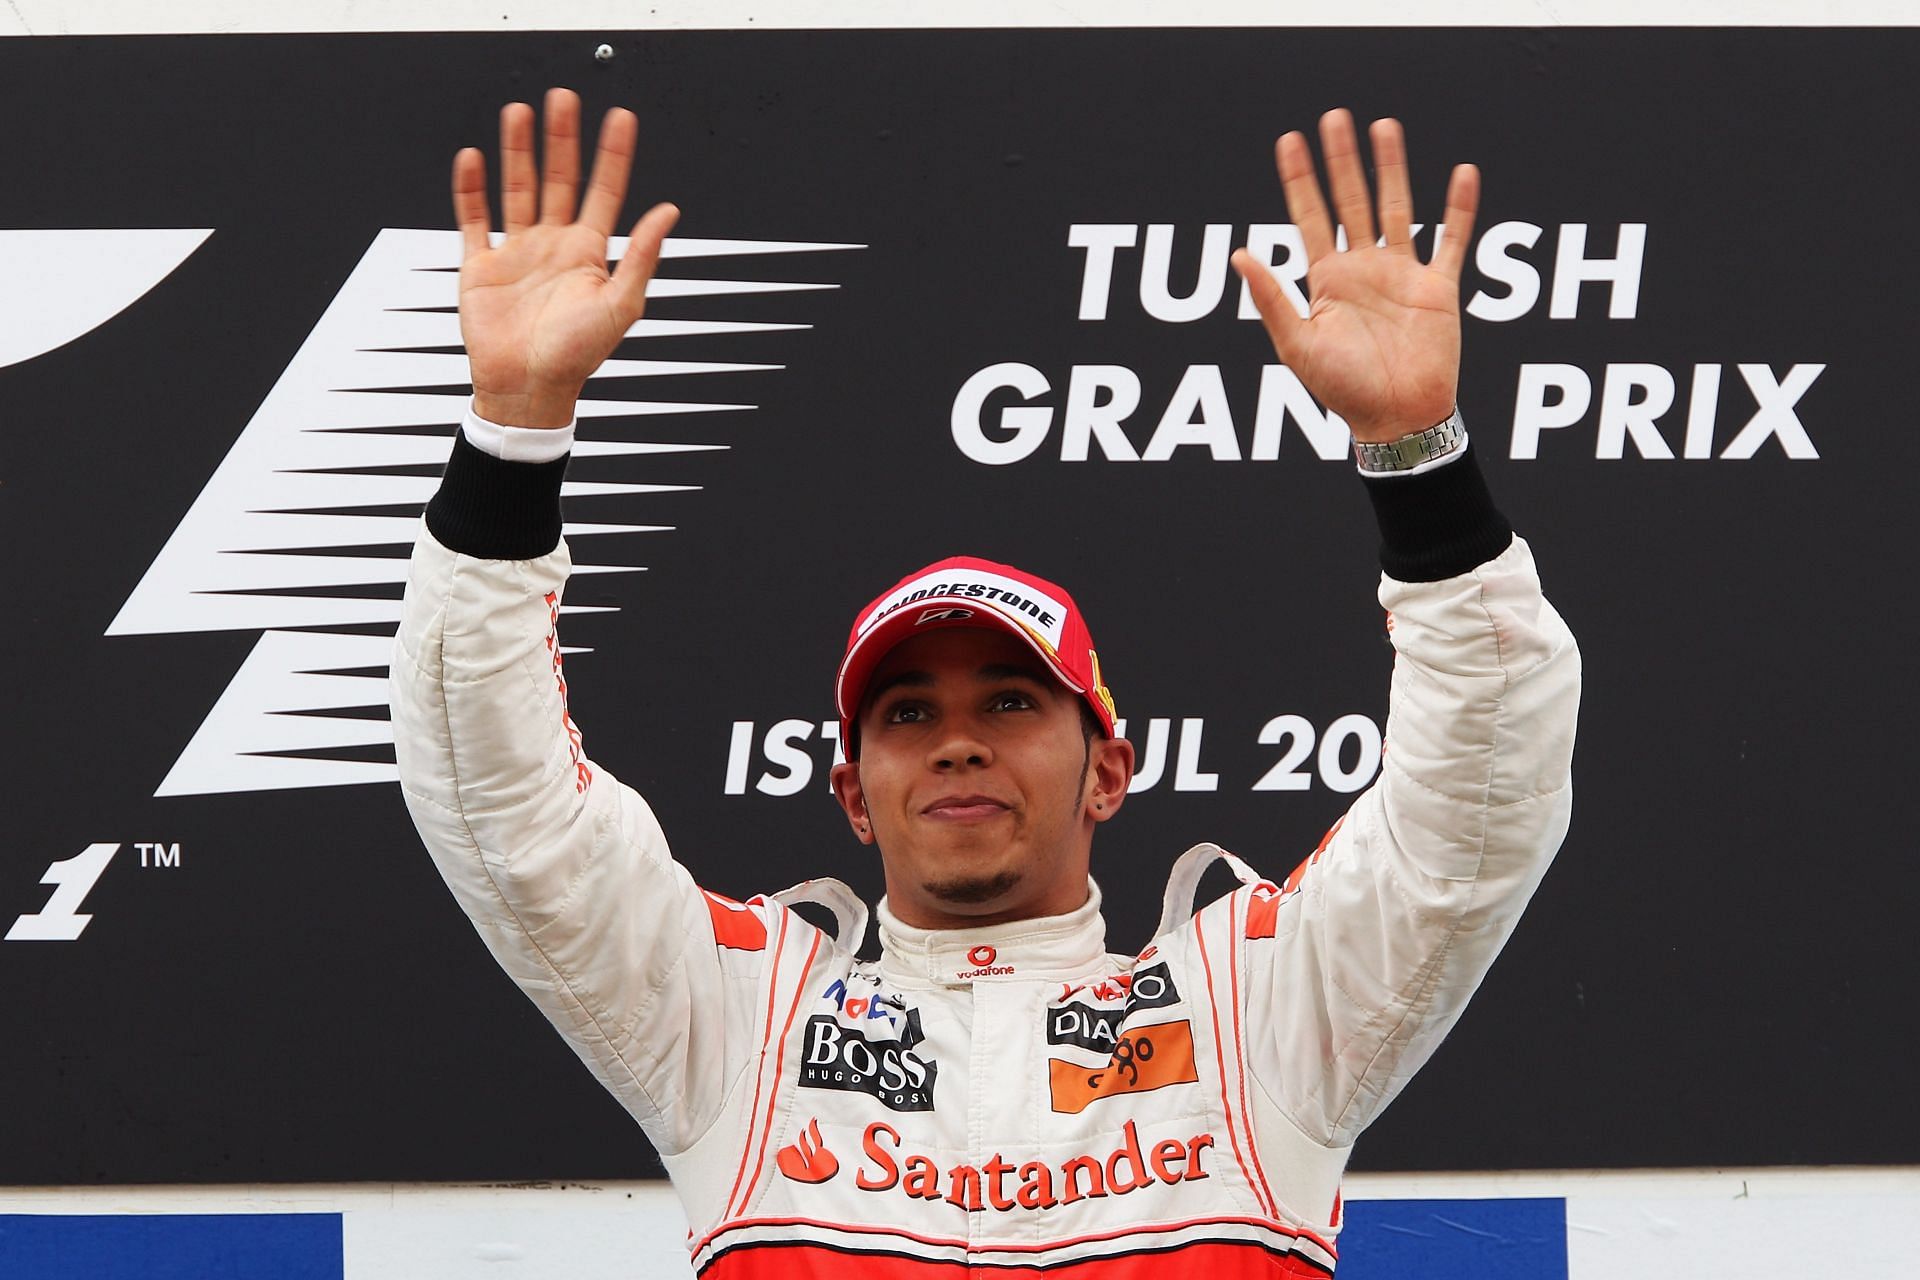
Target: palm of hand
(1381, 343)
(538, 310)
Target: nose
(960, 746)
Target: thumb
(1283, 324)
(642, 256)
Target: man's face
(977, 781)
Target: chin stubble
(972, 890)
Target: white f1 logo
(73, 879)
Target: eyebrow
(1015, 671)
(991, 671)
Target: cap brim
(934, 613)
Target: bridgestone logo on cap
(1035, 609)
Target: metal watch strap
(1411, 451)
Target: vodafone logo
(982, 959)
(291, 536)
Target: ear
(1109, 770)
(853, 801)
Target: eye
(906, 713)
(1012, 700)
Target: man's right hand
(1380, 345)
(539, 312)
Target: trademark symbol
(61, 920)
(156, 853)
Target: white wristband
(517, 444)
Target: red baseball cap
(966, 592)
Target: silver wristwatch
(1408, 452)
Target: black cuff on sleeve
(496, 510)
(1438, 524)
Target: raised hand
(540, 312)
(1380, 344)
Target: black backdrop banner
(941, 292)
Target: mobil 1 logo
(1081, 1024)
(839, 1057)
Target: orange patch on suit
(736, 924)
(1263, 912)
(1146, 1058)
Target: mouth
(967, 808)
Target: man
(997, 1091)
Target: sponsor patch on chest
(889, 1069)
(1138, 1059)
(1088, 1026)
(1144, 1059)
(1001, 1183)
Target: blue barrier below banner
(1383, 1240)
(1569, 1225)
(242, 1246)
(1455, 1240)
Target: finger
(561, 177)
(1463, 201)
(470, 212)
(1283, 324)
(1345, 176)
(1396, 193)
(642, 256)
(612, 163)
(517, 192)
(1304, 204)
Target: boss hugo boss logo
(888, 1070)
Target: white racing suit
(1002, 1100)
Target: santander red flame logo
(807, 1158)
